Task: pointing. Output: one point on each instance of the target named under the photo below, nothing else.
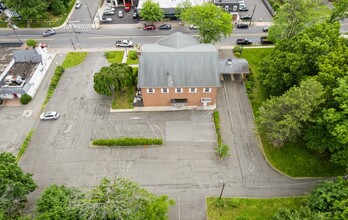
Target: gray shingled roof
(237, 66)
(178, 60)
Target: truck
(244, 41)
(124, 43)
(264, 40)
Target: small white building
(24, 73)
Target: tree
(57, 202)
(326, 197)
(15, 185)
(29, 9)
(298, 214)
(58, 7)
(281, 117)
(31, 43)
(291, 18)
(182, 6)
(117, 199)
(340, 11)
(151, 11)
(211, 20)
(116, 77)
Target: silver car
(49, 116)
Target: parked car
(105, 19)
(241, 25)
(135, 15)
(244, 41)
(243, 8)
(165, 27)
(264, 40)
(149, 27)
(49, 116)
(265, 29)
(108, 12)
(245, 17)
(120, 14)
(124, 43)
(78, 4)
(110, 8)
(193, 27)
(49, 32)
(127, 7)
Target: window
(178, 90)
(207, 90)
(150, 90)
(193, 90)
(208, 100)
(164, 90)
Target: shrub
(233, 203)
(25, 99)
(25, 144)
(222, 150)
(237, 54)
(58, 72)
(106, 54)
(128, 142)
(31, 43)
(133, 55)
(237, 49)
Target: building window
(165, 90)
(150, 90)
(178, 90)
(207, 100)
(193, 90)
(207, 90)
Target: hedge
(25, 145)
(222, 150)
(128, 142)
(58, 72)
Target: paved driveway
(186, 168)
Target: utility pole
(222, 189)
(252, 15)
(14, 27)
(72, 25)
(72, 43)
(89, 12)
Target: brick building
(178, 71)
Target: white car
(192, 27)
(110, 8)
(120, 14)
(78, 4)
(49, 116)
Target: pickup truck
(244, 41)
(264, 40)
(124, 43)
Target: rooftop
(18, 73)
(6, 54)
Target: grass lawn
(129, 60)
(242, 208)
(123, 100)
(294, 159)
(114, 56)
(74, 59)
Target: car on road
(245, 17)
(49, 116)
(149, 27)
(124, 43)
(105, 19)
(48, 32)
(165, 27)
(243, 8)
(120, 14)
(108, 12)
(244, 41)
(265, 40)
(193, 27)
(242, 25)
(78, 4)
(265, 29)
(127, 7)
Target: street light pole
(14, 29)
(222, 189)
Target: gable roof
(178, 60)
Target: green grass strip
(58, 72)
(128, 142)
(73, 59)
(25, 145)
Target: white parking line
(130, 131)
(106, 131)
(118, 131)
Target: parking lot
(126, 19)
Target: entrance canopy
(233, 66)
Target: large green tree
(117, 199)
(340, 10)
(291, 18)
(281, 118)
(116, 77)
(29, 9)
(151, 11)
(212, 21)
(15, 185)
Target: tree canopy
(117, 199)
(212, 21)
(116, 77)
(151, 11)
(340, 11)
(15, 185)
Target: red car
(149, 27)
(127, 7)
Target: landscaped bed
(114, 56)
(73, 59)
(293, 159)
(123, 100)
(249, 208)
(127, 142)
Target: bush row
(128, 142)
(222, 149)
(25, 144)
(58, 72)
